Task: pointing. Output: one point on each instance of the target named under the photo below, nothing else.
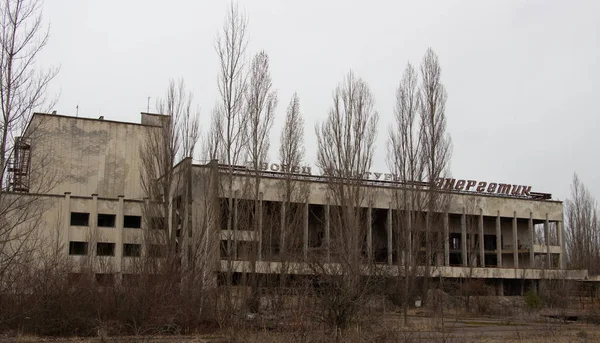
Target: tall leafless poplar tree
(228, 134)
(293, 191)
(405, 159)
(437, 150)
(582, 228)
(419, 151)
(291, 155)
(346, 141)
(261, 104)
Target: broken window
(132, 250)
(224, 212)
(78, 248)
(271, 230)
(105, 249)
(245, 214)
(455, 241)
(80, 219)
(106, 220)
(379, 234)
(316, 225)
(132, 222)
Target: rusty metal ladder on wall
(19, 166)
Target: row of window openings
(108, 249)
(105, 220)
(109, 220)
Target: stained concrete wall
(471, 204)
(381, 197)
(86, 156)
(93, 234)
(49, 216)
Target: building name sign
(442, 183)
(279, 167)
(483, 187)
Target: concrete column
(327, 232)
(446, 239)
(515, 241)
(463, 238)
(120, 234)
(500, 288)
(169, 218)
(547, 234)
(407, 254)
(390, 240)
(145, 227)
(282, 230)
(305, 235)
(499, 240)
(369, 234)
(260, 225)
(93, 233)
(532, 237)
(428, 252)
(235, 224)
(481, 240)
(561, 243)
(66, 215)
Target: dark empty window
(105, 249)
(78, 248)
(80, 219)
(106, 220)
(132, 250)
(489, 242)
(133, 222)
(155, 250)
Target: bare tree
(232, 84)
(23, 89)
(419, 152)
(293, 192)
(167, 187)
(228, 135)
(346, 140)
(261, 104)
(291, 154)
(405, 159)
(437, 150)
(582, 228)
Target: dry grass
(389, 328)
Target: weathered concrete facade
(508, 224)
(87, 156)
(96, 202)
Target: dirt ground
(421, 329)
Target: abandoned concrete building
(88, 173)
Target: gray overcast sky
(520, 75)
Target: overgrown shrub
(532, 300)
